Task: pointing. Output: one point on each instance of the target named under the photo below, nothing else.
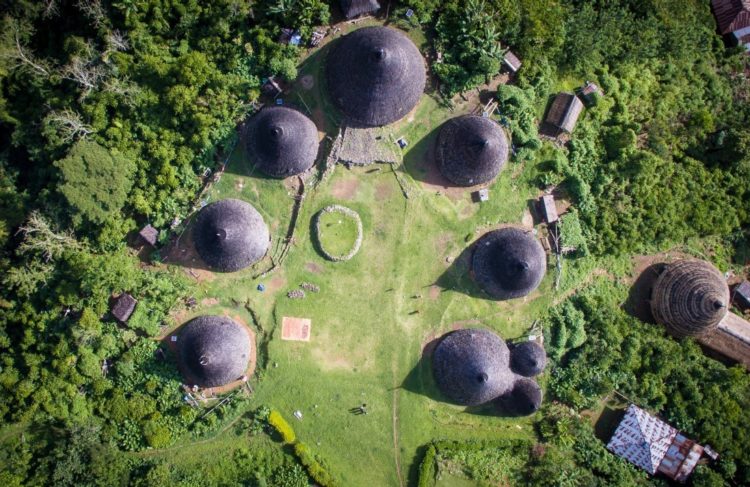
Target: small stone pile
(296, 294)
(308, 286)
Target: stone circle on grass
(329, 240)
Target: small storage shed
(549, 210)
(512, 62)
(355, 8)
(149, 235)
(564, 112)
(123, 306)
(741, 295)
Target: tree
(95, 181)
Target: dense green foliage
(696, 394)
(110, 111)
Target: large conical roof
(471, 150)
(229, 235)
(523, 399)
(375, 75)
(508, 263)
(281, 142)
(471, 366)
(214, 350)
(528, 359)
(690, 297)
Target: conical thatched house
(375, 75)
(690, 297)
(471, 150)
(213, 351)
(528, 359)
(471, 366)
(525, 398)
(229, 235)
(508, 263)
(281, 141)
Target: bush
(282, 427)
(427, 468)
(318, 473)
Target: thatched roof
(213, 350)
(375, 75)
(355, 8)
(690, 297)
(508, 263)
(229, 235)
(471, 366)
(123, 306)
(564, 112)
(281, 141)
(528, 359)
(471, 150)
(525, 398)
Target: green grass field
(408, 284)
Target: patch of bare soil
(277, 283)
(527, 220)
(209, 301)
(479, 95)
(383, 191)
(313, 267)
(181, 252)
(434, 292)
(319, 117)
(345, 189)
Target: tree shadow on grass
(420, 379)
(638, 303)
(607, 423)
(458, 276)
(419, 161)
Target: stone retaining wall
(358, 241)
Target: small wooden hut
(564, 112)
(528, 359)
(123, 306)
(355, 8)
(512, 62)
(149, 235)
(549, 209)
(741, 295)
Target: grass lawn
(407, 285)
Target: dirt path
(398, 306)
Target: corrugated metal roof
(731, 15)
(642, 439)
